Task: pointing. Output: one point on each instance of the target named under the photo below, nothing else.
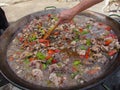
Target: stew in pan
(74, 53)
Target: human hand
(66, 16)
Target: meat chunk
(83, 41)
(94, 70)
(77, 77)
(117, 45)
(73, 43)
(53, 67)
(35, 64)
(93, 41)
(25, 54)
(104, 48)
(20, 35)
(102, 60)
(37, 73)
(95, 48)
(98, 55)
(81, 52)
(56, 80)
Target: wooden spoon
(47, 34)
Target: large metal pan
(12, 30)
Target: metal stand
(3, 81)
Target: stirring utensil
(47, 34)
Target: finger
(63, 21)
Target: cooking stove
(111, 83)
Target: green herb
(58, 74)
(44, 66)
(74, 74)
(89, 26)
(40, 56)
(77, 34)
(85, 32)
(76, 38)
(88, 42)
(76, 63)
(42, 31)
(26, 61)
(49, 61)
(32, 38)
(59, 64)
(82, 48)
(55, 18)
(76, 31)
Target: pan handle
(115, 15)
(106, 87)
(3, 80)
(49, 7)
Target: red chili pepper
(108, 28)
(32, 43)
(56, 33)
(57, 50)
(26, 43)
(112, 52)
(87, 53)
(107, 42)
(100, 23)
(49, 15)
(42, 40)
(82, 56)
(48, 57)
(50, 52)
(31, 59)
(81, 30)
(46, 42)
(21, 39)
(54, 61)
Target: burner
(112, 83)
(3, 81)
